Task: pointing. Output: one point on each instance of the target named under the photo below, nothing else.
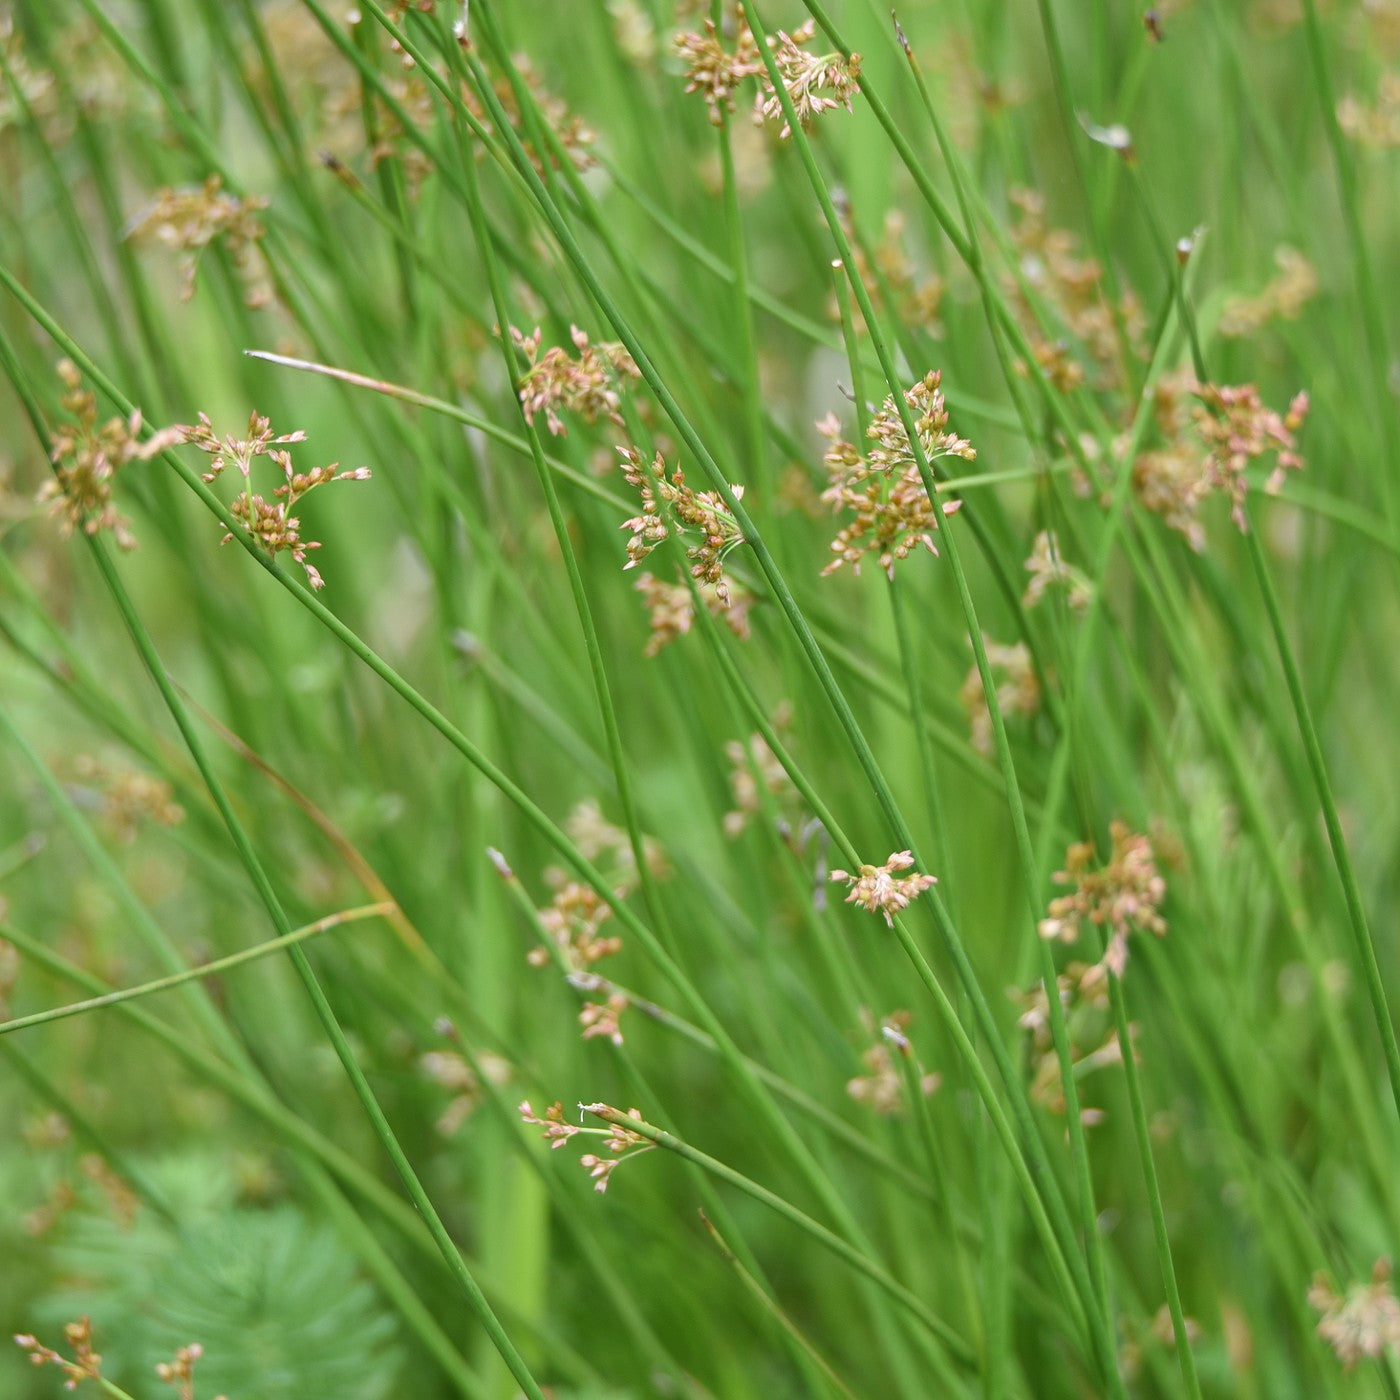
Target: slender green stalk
(954, 1343)
(1363, 946)
(209, 969)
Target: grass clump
(978, 957)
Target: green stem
(209, 969)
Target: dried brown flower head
(1166, 482)
(891, 276)
(715, 72)
(1376, 125)
(1048, 570)
(878, 889)
(893, 513)
(672, 609)
(1364, 1322)
(634, 31)
(1121, 898)
(573, 135)
(1285, 296)
(180, 1371)
(587, 385)
(271, 523)
(1083, 994)
(667, 501)
(609, 847)
(557, 1130)
(620, 1140)
(1209, 446)
(27, 87)
(1237, 430)
(815, 83)
(600, 1018)
(116, 1192)
(572, 923)
(128, 797)
(1017, 690)
(86, 1364)
(451, 1071)
(191, 218)
(87, 457)
(755, 770)
(1072, 288)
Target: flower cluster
(1210, 448)
(600, 1019)
(671, 609)
(190, 219)
(586, 385)
(128, 797)
(609, 846)
(1284, 296)
(1238, 429)
(574, 137)
(1083, 992)
(1122, 898)
(86, 1364)
(619, 1140)
(180, 1371)
(881, 1088)
(893, 513)
(572, 924)
(1073, 288)
(271, 523)
(1048, 570)
(710, 69)
(890, 275)
(1017, 691)
(699, 513)
(37, 92)
(573, 920)
(1362, 1323)
(814, 83)
(1377, 126)
(754, 771)
(878, 889)
(557, 1129)
(87, 457)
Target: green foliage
(1005, 456)
(276, 1300)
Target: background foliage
(1073, 212)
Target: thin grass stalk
(209, 969)
(1363, 945)
(1369, 294)
(832, 1381)
(1142, 1133)
(901, 1051)
(909, 1302)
